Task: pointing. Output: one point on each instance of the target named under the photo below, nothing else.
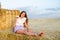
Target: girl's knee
(20, 31)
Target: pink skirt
(18, 28)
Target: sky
(34, 8)
(12, 4)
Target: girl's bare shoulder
(16, 18)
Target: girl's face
(23, 15)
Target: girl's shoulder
(16, 17)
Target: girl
(21, 25)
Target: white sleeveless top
(20, 21)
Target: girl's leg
(20, 31)
(26, 33)
(36, 33)
(30, 34)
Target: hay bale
(6, 18)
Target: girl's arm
(26, 25)
(14, 22)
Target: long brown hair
(25, 16)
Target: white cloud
(15, 3)
(11, 4)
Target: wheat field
(50, 27)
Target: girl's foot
(41, 34)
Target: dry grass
(51, 27)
